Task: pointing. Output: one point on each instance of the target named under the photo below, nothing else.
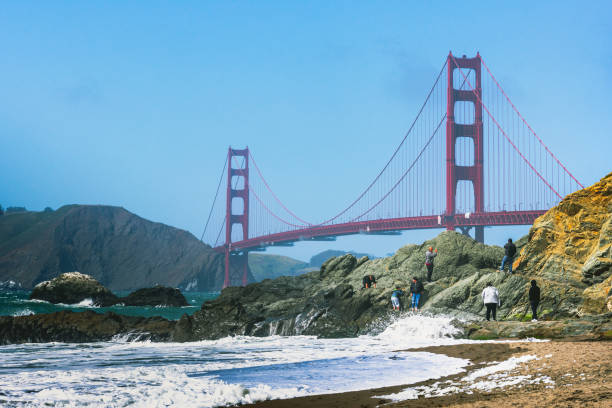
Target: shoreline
(564, 373)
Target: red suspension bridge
(468, 160)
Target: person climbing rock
(368, 281)
(430, 254)
(395, 298)
(490, 297)
(416, 288)
(510, 251)
(534, 300)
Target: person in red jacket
(429, 261)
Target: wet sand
(571, 374)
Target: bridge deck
(387, 225)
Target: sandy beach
(545, 374)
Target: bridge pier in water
(236, 268)
(478, 232)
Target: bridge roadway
(385, 227)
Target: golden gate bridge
(468, 160)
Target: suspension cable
(529, 127)
(394, 153)
(503, 132)
(214, 201)
(272, 192)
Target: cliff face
(569, 251)
(119, 249)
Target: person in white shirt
(490, 297)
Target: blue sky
(135, 104)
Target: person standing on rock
(416, 288)
(490, 297)
(395, 301)
(510, 251)
(429, 261)
(534, 300)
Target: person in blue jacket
(416, 288)
(395, 298)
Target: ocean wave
(23, 312)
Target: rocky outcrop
(596, 327)
(569, 252)
(156, 296)
(331, 303)
(73, 287)
(119, 249)
(88, 326)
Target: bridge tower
(455, 131)
(236, 260)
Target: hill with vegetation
(265, 266)
(119, 249)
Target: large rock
(597, 327)
(331, 303)
(73, 287)
(156, 296)
(88, 326)
(569, 252)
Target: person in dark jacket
(534, 300)
(416, 288)
(369, 281)
(510, 251)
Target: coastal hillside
(320, 258)
(266, 266)
(567, 252)
(119, 249)
(570, 251)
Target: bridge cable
(528, 126)
(274, 195)
(407, 171)
(504, 133)
(394, 153)
(252, 190)
(214, 200)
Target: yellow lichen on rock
(571, 245)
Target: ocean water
(228, 371)
(16, 303)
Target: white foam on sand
(494, 376)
